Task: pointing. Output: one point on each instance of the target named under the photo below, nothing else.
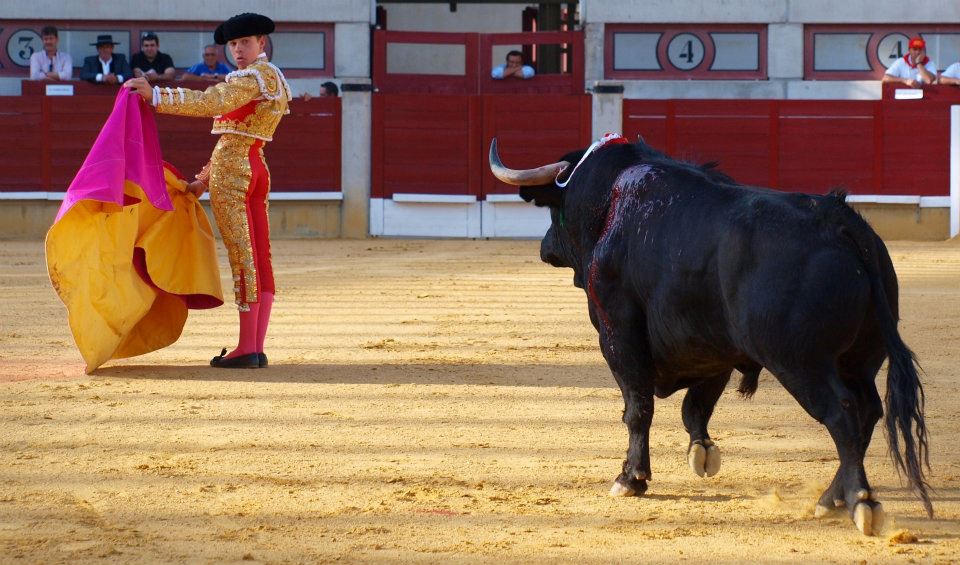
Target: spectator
(105, 67)
(514, 68)
(329, 89)
(951, 75)
(915, 68)
(150, 63)
(209, 69)
(50, 63)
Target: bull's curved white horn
(523, 177)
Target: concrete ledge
(289, 219)
(910, 222)
(30, 219)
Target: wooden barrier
(874, 147)
(54, 134)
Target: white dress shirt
(41, 64)
(901, 69)
(105, 70)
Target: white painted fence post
(954, 170)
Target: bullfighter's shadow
(577, 376)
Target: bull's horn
(523, 177)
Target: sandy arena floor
(427, 402)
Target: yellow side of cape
(93, 256)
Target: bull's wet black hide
(690, 276)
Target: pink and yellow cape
(130, 250)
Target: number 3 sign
(22, 44)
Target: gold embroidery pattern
(229, 173)
(230, 177)
(212, 102)
(261, 123)
(260, 81)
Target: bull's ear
(550, 195)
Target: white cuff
(119, 78)
(99, 77)
(156, 96)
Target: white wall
(281, 10)
(785, 19)
(479, 18)
(770, 11)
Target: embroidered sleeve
(273, 85)
(219, 99)
(204, 175)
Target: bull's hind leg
(870, 412)
(698, 404)
(825, 397)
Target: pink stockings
(253, 326)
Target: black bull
(689, 276)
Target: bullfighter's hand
(197, 188)
(141, 86)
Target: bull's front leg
(625, 348)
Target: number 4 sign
(891, 48)
(685, 51)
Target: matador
(245, 110)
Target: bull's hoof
(869, 518)
(630, 487)
(820, 511)
(704, 458)
(621, 490)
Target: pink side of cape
(127, 148)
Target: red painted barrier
(532, 131)
(54, 134)
(425, 144)
(438, 144)
(884, 147)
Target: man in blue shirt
(514, 68)
(210, 69)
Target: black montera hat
(105, 39)
(242, 25)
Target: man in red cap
(914, 68)
(245, 110)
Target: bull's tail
(904, 418)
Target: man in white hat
(106, 66)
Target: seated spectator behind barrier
(915, 68)
(150, 62)
(951, 75)
(209, 69)
(514, 68)
(106, 67)
(50, 63)
(329, 89)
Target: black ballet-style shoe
(249, 361)
(263, 360)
